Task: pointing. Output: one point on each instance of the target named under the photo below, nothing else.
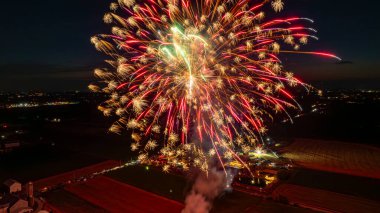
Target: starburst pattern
(204, 76)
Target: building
(13, 204)
(5, 203)
(12, 186)
(20, 206)
(3, 208)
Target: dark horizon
(47, 46)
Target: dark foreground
(328, 171)
(136, 189)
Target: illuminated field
(61, 201)
(114, 196)
(325, 201)
(347, 158)
(70, 176)
(76, 198)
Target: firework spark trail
(182, 68)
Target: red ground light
(115, 196)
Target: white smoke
(205, 189)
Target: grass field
(338, 157)
(238, 202)
(325, 200)
(43, 163)
(115, 196)
(72, 175)
(351, 185)
(175, 187)
(153, 180)
(67, 202)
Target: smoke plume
(205, 189)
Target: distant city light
(31, 105)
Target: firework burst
(196, 81)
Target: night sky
(45, 45)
